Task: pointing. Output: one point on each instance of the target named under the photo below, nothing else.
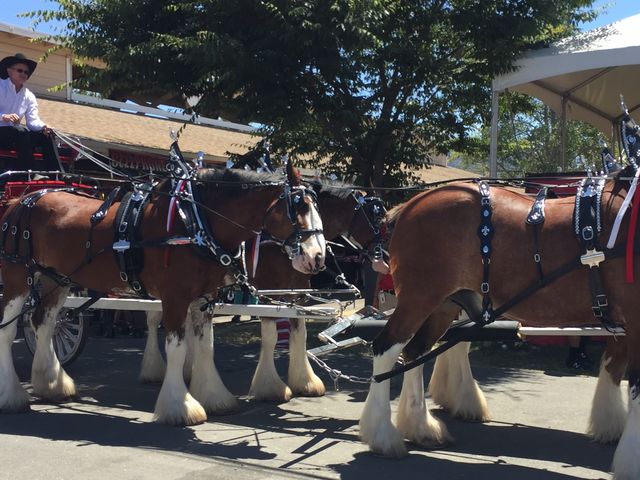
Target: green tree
(364, 87)
(529, 141)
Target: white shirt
(22, 103)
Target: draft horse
(343, 211)
(435, 254)
(49, 242)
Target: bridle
(294, 196)
(374, 211)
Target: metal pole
(563, 132)
(493, 145)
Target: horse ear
(293, 175)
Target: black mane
(334, 188)
(237, 177)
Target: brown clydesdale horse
(236, 204)
(435, 252)
(343, 211)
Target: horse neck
(238, 216)
(337, 214)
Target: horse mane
(334, 188)
(240, 177)
(232, 182)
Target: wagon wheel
(69, 336)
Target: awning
(581, 77)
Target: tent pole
(563, 132)
(493, 145)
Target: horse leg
(48, 378)
(175, 405)
(414, 420)
(266, 384)
(376, 428)
(608, 412)
(206, 385)
(189, 338)
(13, 398)
(302, 379)
(453, 387)
(626, 461)
(442, 384)
(153, 366)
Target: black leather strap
(587, 226)
(485, 233)
(129, 257)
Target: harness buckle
(601, 303)
(225, 260)
(587, 233)
(485, 201)
(484, 287)
(536, 257)
(592, 258)
(123, 227)
(136, 286)
(121, 245)
(124, 277)
(26, 234)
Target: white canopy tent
(581, 78)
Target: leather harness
(587, 225)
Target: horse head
(295, 220)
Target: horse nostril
(319, 258)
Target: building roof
(141, 131)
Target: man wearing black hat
(17, 102)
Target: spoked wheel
(69, 336)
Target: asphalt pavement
(107, 433)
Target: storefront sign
(137, 161)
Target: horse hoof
(432, 443)
(397, 451)
(228, 409)
(282, 395)
(311, 390)
(314, 387)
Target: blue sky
(615, 10)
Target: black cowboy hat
(7, 62)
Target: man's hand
(10, 117)
(46, 130)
